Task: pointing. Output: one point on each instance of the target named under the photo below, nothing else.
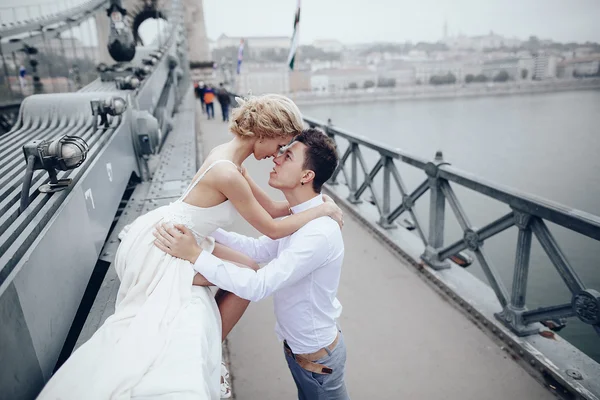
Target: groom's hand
(177, 241)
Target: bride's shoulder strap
(193, 185)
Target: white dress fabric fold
(164, 339)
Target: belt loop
(289, 349)
(327, 350)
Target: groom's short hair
(320, 156)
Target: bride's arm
(275, 208)
(235, 187)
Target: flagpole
(239, 67)
(294, 48)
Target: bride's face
(267, 148)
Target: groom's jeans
(313, 386)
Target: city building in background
(331, 66)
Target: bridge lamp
(142, 72)
(63, 154)
(149, 61)
(130, 82)
(110, 106)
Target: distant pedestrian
(22, 79)
(224, 100)
(200, 93)
(209, 100)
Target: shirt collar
(315, 201)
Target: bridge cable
(6, 73)
(14, 56)
(64, 54)
(47, 53)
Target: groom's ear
(308, 176)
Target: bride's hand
(333, 211)
(327, 199)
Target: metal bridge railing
(529, 215)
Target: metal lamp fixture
(110, 106)
(130, 82)
(63, 153)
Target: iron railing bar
(418, 226)
(572, 219)
(414, 196)
(354, 172)
(381, 148)
(386, 187)
(546, 313)
(557, 257)
(342, 163)
(497, 226)
(368, 179)
(521, 269)
(493, 278)
(459, 212)
(452, 249)
(491, 229)
(398, 179)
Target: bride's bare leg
(231, 306)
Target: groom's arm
(261, 250)
(304, 254)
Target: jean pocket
(319, 378)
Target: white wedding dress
(164, 339)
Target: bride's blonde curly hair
(266, 116)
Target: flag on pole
(295, 39)
(240, 56)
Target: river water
(547, 145)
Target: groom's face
(267, 148)
(288, 167)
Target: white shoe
(225, 387)
(225, 390)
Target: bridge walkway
(404, 340)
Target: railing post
(331, 135)
(512, 315)
(385, 212)
(353, 184)
(436, 216)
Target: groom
(302, 270)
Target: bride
(164, 339)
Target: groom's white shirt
(303, 274)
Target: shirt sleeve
(303, 255)
(261, 250)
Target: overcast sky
(401, 20)
(356, 21)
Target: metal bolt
(521, 352)
(574, 374)
(532, 362)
